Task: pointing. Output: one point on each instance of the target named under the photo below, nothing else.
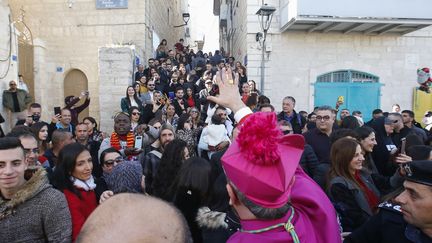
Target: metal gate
(361, 91)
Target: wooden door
(74, 83)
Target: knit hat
(125, 177)
(262, 161)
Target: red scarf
(190, 102)
(115, 140)
(371, 198)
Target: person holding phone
(61, 121)
(122, 139)
(71, 102)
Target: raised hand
(228, 90)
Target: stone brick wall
(162, 23)
(115, 71)
(8, 67)
(239, 21)
(71, 37)
(298, 58)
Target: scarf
(371, 198)
(115, 141)
(87, 185)
(191, 101)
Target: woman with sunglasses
(135, 117)
(195, 115)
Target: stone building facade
(67, 36)
(296, 57)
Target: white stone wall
(8, 67)
(239, 22)
(297, 59)
(70, 37)
(159, 21)
(115, 74)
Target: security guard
(410, 220)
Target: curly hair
(169, 166)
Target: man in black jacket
(289, 114)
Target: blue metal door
(360, 90)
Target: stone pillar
(41, 80)
(8, 56)
(115, 74)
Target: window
(347, 76)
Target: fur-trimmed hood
(211, 219)
(37, 183)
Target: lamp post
(265, 16)
(186, 18)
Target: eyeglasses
(136, 113)
(150, 85)
(323, 118)
(111, 162)
(28, 151)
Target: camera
(35, 117)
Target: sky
(204, 24)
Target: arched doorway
(361, 91)
(74, 83)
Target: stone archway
(75, 82)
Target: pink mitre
(262, 161)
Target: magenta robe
(314, 218)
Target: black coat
(188, 201)
(297, 122)
(381, 152)
(388, 226)
(217, 227)
(150, 165)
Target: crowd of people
(198, 154)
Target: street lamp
(186, 17)
(265, 16)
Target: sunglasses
(136, 113)
(12, 84)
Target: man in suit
(147, 97)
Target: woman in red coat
(73, 177)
